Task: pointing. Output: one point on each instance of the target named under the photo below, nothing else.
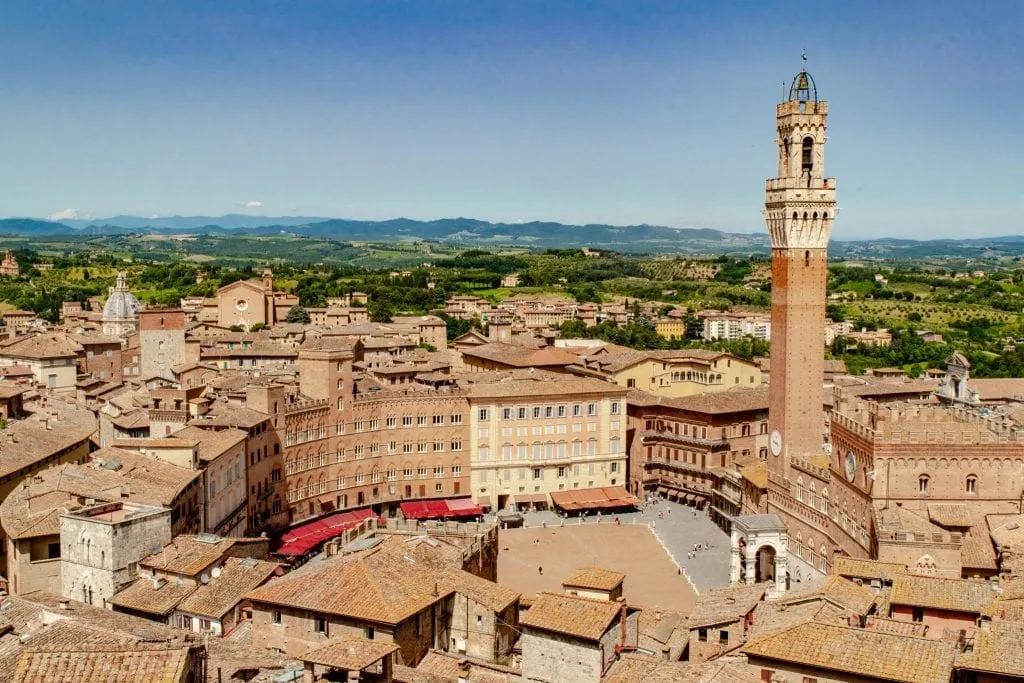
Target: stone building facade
(687, 444)
(103, 544)
(162, 341)
(537, 436)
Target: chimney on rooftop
(65, 604)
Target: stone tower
(799, 207)
(162, 341)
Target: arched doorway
(759, 552)
(764, 568)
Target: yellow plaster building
(532, 437)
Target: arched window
(972, 484)
(795, 215)
(807, 159)
(922, 484)
(785, 150)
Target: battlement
(778, 184)
(925, 423)
(798, 108)
(299, 404)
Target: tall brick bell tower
(799, 207)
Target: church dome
(121, 303)
(803, 88)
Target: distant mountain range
(472, 232)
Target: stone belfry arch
(799, 208)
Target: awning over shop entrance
(300, 540)
(440, 509)
(601, 498)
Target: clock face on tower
(851, 465)
(776, 442)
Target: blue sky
(616, 112)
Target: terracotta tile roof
(756, 474)
(33, 509)
(1007, 531)
(771, 617)
(949, 514)
(443, 561)
(996, 650)
(957, 595)
(842, 649)
(977, 551)
(632, 668)
(212, 444)
(542, 385)
(237, 577)
(159, 442)
(382, 586)
(896, 627)
(595, 578)
(723, 605)
(736, 400)
(137, 419)
(847, 594)
(571, 615)
(663, 632)
(188, 555)
(856, 568)
(158, 599)
(42, 346)
(1007, 609)
(513, 355)
(140, 662)
(900, 518)
(232, 415)
(352, 654)
(999, 389)
(33, 442)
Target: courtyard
(647, 556)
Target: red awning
(440, 509)
(463, 507)
(414, 510)
(301, 539)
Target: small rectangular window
(702, 635)
(275, 616)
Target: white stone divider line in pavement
(679, 567)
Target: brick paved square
(651, 576)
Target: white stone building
(102, 545)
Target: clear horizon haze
(657, 112)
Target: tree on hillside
(380, 311)
(298, 314)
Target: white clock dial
(776, 442)
(851, 465)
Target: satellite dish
(215, 572)
(204, 578)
